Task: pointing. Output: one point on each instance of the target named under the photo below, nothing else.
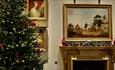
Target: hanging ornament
(1, 45)
(33, 23)
(17, 57)
(24, 23)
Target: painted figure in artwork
(36, 8)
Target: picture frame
(42, 39)
(37, 9)
(42, 43)
(87, 22)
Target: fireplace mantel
(87, 53)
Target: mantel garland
(88, 43)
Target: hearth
(89, 65)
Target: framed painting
(87, 22)
(42, 43)
(42, 39)
(37, 9)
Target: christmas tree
(17, 38)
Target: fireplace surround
(86, 56)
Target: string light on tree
(23, 61)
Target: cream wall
(55, 28)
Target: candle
(113, 42)
(74, 1)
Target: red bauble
(24, 23)
(1, 45)
(33, 23)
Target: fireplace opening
(89, 64)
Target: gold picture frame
(87, 22)
(42, 43)
(42, 39)
(37, 9)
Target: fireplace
(89, 65)
(87, 58)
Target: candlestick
(99, 1)
(74, 1)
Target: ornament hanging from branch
(1, 45)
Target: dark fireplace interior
(89, 65)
